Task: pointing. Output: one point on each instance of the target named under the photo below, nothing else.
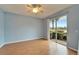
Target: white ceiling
(23, 10)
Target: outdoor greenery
(61, 33)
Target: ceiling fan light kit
(35, 8)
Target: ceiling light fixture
(35, 8)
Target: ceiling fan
(35, 8)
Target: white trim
(48, 33)
(21, 40)
(2, 45)
(73, 49)
(78, 52)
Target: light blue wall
(73, 27)
(1, 27)
(45, 28)
(14, 27)
(20, 27)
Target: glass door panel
(53, 30)
(62, 30)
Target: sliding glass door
(58, 30)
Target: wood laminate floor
(35, 47)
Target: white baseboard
(73, 49)
(2, 45)
(21, 40)
(17, 41)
